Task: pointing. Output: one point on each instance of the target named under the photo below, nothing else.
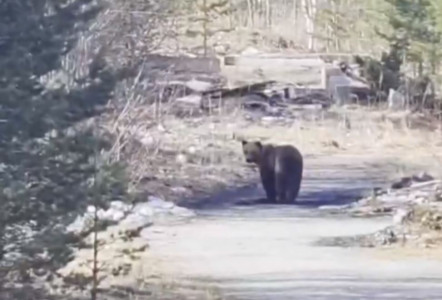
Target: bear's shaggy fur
(280, 168)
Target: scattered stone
(83, 224)
(250, 51)
(396, 100)
(192, 150)
(129, 217)
(377, 191)
(400, 216)
(191, 100)
(182, 212)
(385, 237)
(180, 190)
(269, 119)
(403, 182)
(409, 181)
(116, 212)
(181, 158)
(416, 214)
(134, 222)
(143, 209)
(198, 85)
(121, 244)
(122, 269)
(332, 144)
(157, 203)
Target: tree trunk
(268, 13)
(309, 9)
(251, 21)
(205, 21)
(230, 15)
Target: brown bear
(280, 168)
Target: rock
(143, 209)
(250, 51)
(400, 216)
(161, 128)
(198, 85)
(437, 196)
(269, 119)
(130, 219)
(377, 191)
(140, 217)
(82, 224)
(147, 140)
(339, 88)
(192, 150)
(121, 270)
(182, 212)
(90, 209)
(395, 100)
(9, 257)
(113, 215)
(409, 181)
(229, 60)
(158, 203)
(181, 158)
(331, 143)
(120, 205)
(422, 177)
(192, 99)
(180, 190)
(421, 200)
(385, 237)
(402, 183)
(116, 211)
(221, 49)
(135, 221)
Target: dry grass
(168, 152)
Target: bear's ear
(243, 142)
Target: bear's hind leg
(281, 187)
(293, 189)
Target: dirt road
(258, 251)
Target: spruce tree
(415, 34)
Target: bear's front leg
(268, 183)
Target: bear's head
(252, 151)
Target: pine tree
(415, 33)
(208, 12)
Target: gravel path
(258, 251)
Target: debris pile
(415, 204)
(267, 97)
(408, 191)
(127, 215)
(121, 244)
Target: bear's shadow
(258, 201)
(328, 197)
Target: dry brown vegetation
(175, 154)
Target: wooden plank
(183, 63)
